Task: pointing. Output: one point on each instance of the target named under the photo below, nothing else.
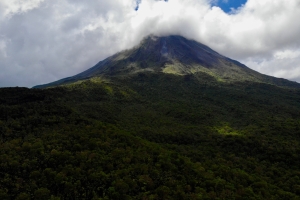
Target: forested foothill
(150, 136)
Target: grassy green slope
(150, 136)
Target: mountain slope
(174, 55)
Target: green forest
(150, 136)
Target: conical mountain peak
(173, 55)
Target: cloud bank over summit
(46, 40)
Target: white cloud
(287, 54)
(3, 53)
(44, 40)
(11, 7)
(284, 63)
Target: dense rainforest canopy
(150, 136)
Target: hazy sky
(45, 40)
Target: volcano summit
(173, 55)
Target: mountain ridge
(174, 55)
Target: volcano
(173, 55)
(168, 119)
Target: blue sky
(225, 5)
(228, 5)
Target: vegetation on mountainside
(150, 136)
